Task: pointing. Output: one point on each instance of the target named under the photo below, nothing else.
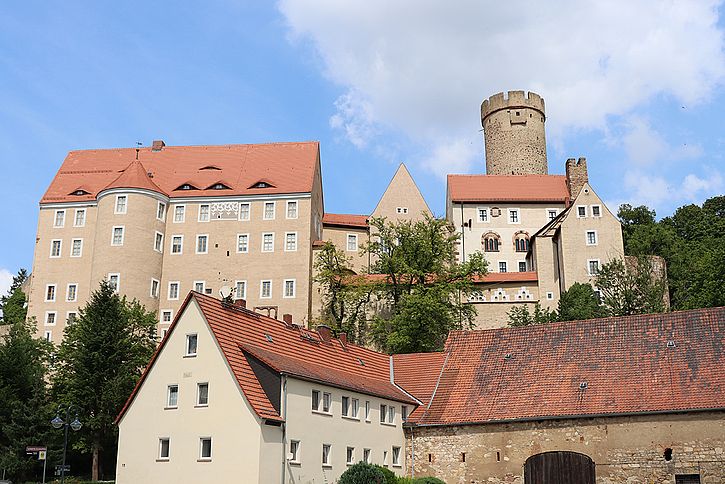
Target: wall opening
(559, 467)
(668, 454)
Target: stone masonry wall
(625, 450)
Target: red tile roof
(293, 350)
(417, 374)
(345, 220)
(492, 277)
(535, 372)
(134, 176)
(289, 167)
(508, 188)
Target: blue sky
(636, 87)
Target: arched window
(491, 242)
(521, 242)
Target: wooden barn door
(559, 468)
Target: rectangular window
(164, 449)
(596, 211)
(315, 400)
(117, 237)
(404, 413)
(48, 336)
(591, 237)
(290, 241)
(179, 214)
(243, 243)
(350, 456)
(383, 412)
(396, 456)
(71, 317)
(522, 266)
(291, 209)
(71, 293)
(268, 210)
(202, 394)
(173, 291)
(50, 317)
(593, 267)
(50, 293)
(549, 296)
(121, 203)
(268, 242)
(55, 248)
(240, 290)
(166, 316)
(80, 218)
(483, 215)
(385, 458)
(502, 266)
(367, 410)
(76, 249)
(199, 286)
(326, 454)
(205, 448)
(552, 213)
(59, 220)
(391, 414)
(154, 288)
(401, 210)
(191, 344)
(345, 406)
(352, 242)
(159, 242)
(581, 211)
(294, 451)
(513, 216)
(289, 288)
(326, 402)
(172, 396)
(265, 289)
(354, 407)
(161, 211)
(202, 246)
(177, 244)
(366, 456)
(204, 212)
(114, 280)
(244, 211)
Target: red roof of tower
(134, 176)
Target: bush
(388, 475)
(362, 473)
(427, 480)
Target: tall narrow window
(179, 213)
(243, 243)
(172, 396)
(521, 242)
(354, 407)
(80, 218)
(202, 246)
(59, 220)
(204, 213)
(154, 288)
(391, 414)
(268, 210)
(173, 291)
(352, 242)
(383, 413)
(117, 238)
(114, 280)
(396, 456)
(55, 248)
(202, 394)
(161, 211)
(50, 293)
(177, 244)
(591, 237)
(265, 289)
(366, 456)
(522, 266)
(71, 294)
(326, 454)
(326, 402)
(244, 210)
(292, 209)
(491, 242)
(294, 451)
(315, 400)
(191, 344)
(290, 244)
(76, 249)
(121, 203)
(502, 266)
(367, 410)
(164, 449)
(205, 448)
(268, 242)
(350, 456)
(289, 288)
(240, 290)
(159, 242)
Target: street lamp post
(57, 423)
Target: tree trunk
(95, 467)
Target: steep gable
(402, 199)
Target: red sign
(31, 449)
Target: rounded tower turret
(514, 134)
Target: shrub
(427, 480)
(388, 475)
(362, 473)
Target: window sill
(327, 466)
(205, 459)
(201, 406)
(397, 465)
(387, 424)
(320, 412)
(171, 408)
(294, 462)
(190, 356)
(164, 459)
(348, 417)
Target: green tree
(579, 302)
(99, 362)
(421, 282)
(362, 473)
(521, 316)
(12, 304)
(25, 412)
(630, 290)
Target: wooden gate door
(559, 468)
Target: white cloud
(644, 145)
(6, 279)
(656, 191)
(423, 67)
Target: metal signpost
(41, 452)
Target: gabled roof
(134, 176)
(656, 363)
(417, 374)
(289, 167)
(508, 188)
(345, 220)
(402, 183)
(286, 349)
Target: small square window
(205, 448)
(50, 318)
(161, 211)
(352, 242)
(199, 286)
(59, 220)
(552, 214)
(268, 242)
(326, 454)
(172, 396)
(55, 248)
(76, 249)
(203, 213)
(591, 237)
(292, 209)
(593, 267)
(290, 244)
(513, 216)
(191, 344)
(164, 449)
(289, 288)
(522, 266)
(166, 316)
(121, 204)
(202, 394)
(80, 218)
(242, 243)
(71, 317)
(596, 211)
(179, 213)
(581, 211)
(265, 289)
(268, 210)
(550, 296)
(294, 451)
(202, 244)
(177, 244)
(483, 215)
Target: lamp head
(76, 424)
(57, 422)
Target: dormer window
(186, 186)
(218, 186)
(79, 192)
(262, 184)
(210, 167)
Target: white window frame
(297, 209)
(599, 266)
(555, 210)
(294, 456)
(596, 237)
(48, 335)
(391, 414)
(47, 317)
(261, 289)
(55, 292)
(347, 242)
(118, 280)
(75, 217)
(178, 290)
(187, 346)
(549, 296)
(161, 210)
(264, 235)
(168, 396)
(68, 317)
(350, 455)
(181, 245)
(125, 205)
(163, 313)
(236, 286)
(203, 286)
(506, 265)
(326, 401)
(67, 292)
(196, 246)
(294, 288)
(113, 235)
(396, 458)
(591, 210)
(367, 410)
(274, 211)
(181, 206)
(161, 456)
(208, 212)
(60, 248)
(198, 393)
(201, 449)
(246, 251)
(585, 211)
(294, 248)
(55, 219)
(366, 456)
(72, 246)
(158, 247)
(518, 216)
(385, 458)
(487, 210)
(249, 211)
(327, 456)
(152, 293)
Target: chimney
(157, 145)
(576, 175)
(240, 303)
(343, 338)
(287, 318)
(325, 333)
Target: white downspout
(284, 428)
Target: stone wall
(627, 450)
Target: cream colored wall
(492, 312)
(338, 236)
(237, 441)
(545, 259)
(313, 429)
(401, 192)
(575, 252)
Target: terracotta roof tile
(345, 220)
(417, 374)
(626, 363)
(508, 188)
(134, 176)
(493, 277)
(289, 167)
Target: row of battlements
(512, 99)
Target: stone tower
(513, 130)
